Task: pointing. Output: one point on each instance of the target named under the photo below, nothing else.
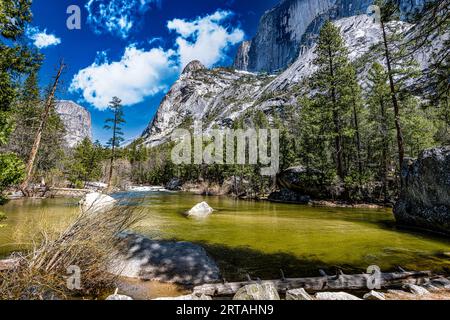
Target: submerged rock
(201, 210)
(298, 294)
(335, 296)
(265, 291)
(165, 261)
(425, 196)
(97, 202)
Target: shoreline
(68, 193)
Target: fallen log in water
(338, 282)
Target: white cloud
(41, 39)
(205, 38)
(142, 73)
(137, 75)
(117, 17)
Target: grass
(89, 243)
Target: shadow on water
(237, 263)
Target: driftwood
(9, 264)
(338, 282)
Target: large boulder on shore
(174, 184)
(165, 261)
(96, 202)
(288, 196)
(303, 181)
(425, 196)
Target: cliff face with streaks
(77, 122)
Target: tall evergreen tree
(16, 60)
(86, 162)
(114, 124)
(336, 94)
(399, 65)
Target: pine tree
(86, 163)
(114, 124)
(16, 60)
(399, 65)
(336, 97)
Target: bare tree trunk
(400, 141)
(38, 137)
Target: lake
(254, 238)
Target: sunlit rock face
(217, 97)
(77, 122)
(293, 25)
(425, 196)
(287, 27)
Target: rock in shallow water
(425, 196)
(96, 202)
(165, 261)
(201, 210)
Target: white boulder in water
(201, 210)
(97, 202)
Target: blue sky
(136, 49)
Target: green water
(257, 238)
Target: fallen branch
(9, 264)
(338, 282)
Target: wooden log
(9, 264)
(340, 282)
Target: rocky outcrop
(174, 184)
(284, 29)
(293, 25)
(193, 66)
(306, 181)
(242, 58)
(76, 120)
(289, 196)
(220, 96)
(425, 196)
(165, 261)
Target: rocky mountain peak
(76, 120)
(193, 66)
